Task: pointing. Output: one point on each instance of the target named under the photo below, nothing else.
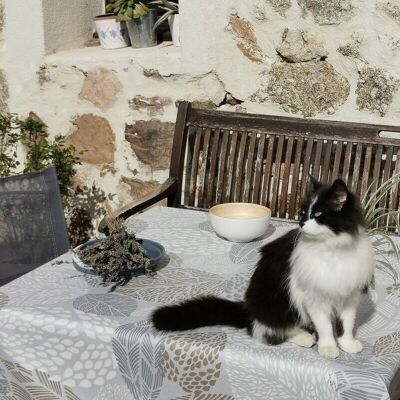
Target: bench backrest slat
(234, 157)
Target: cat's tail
(198, 312)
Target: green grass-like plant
(170, 8)
(382, 221)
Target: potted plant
(113, 34)
(171, 9)
(139, 19)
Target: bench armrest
(170, 186)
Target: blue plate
(154, 251)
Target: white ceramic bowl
(240, 222)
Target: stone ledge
(165, 58)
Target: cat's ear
(338, 194)
(314, 183)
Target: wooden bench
(232, 157)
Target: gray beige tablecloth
(65, 336)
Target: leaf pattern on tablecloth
(193, 360)
(4, 384)
(33, 385)
(93, 280)
(388, 344)
(361, 385)
(173, 284)
(380, 368)
(236, 287)
(219, 264)
(138, 353)
(394, 290)
(70, 344)
(136, 225)
(283, 372)
(47, 286)
(4, 299)
(110, 304)
(206, 226)
(210, 396)
(245, 253)
(113, 391)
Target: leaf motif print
(4, 299)
(388, 344)
(112, 305)
(173, 284)
(136, 225)
(138, 353)
(206, 226)
(245, 253)
(33, 385)
(283, 372)
(193, 360)
(203, 396)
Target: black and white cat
(303, 280)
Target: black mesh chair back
(32, 222)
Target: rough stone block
(308, 88)
(94, 136)
(299, 46)
(152, 105)
(243, 33)
(139, 188)
(375, 90)
(327, 12)
(281, 6)
(390, 8)
(151, 141)
(101, 87)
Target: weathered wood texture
(267, 159)
(231, 157)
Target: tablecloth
(65, 336)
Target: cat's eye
(302, 212)
(318, 214)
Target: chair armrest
(170, 186)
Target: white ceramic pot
(240, 222)
(112, 34)
(173, 21)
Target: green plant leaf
(162, 19)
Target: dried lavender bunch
(117, 258)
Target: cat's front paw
(328, 351)
(350, 345)
(303, 339)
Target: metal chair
(32, 222)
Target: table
(64, 336)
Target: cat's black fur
(350, 217)
(267, 297)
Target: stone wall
(3, 81)
(336, 59)
(329, 59)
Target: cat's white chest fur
(329, 270)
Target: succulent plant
(127, 10)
